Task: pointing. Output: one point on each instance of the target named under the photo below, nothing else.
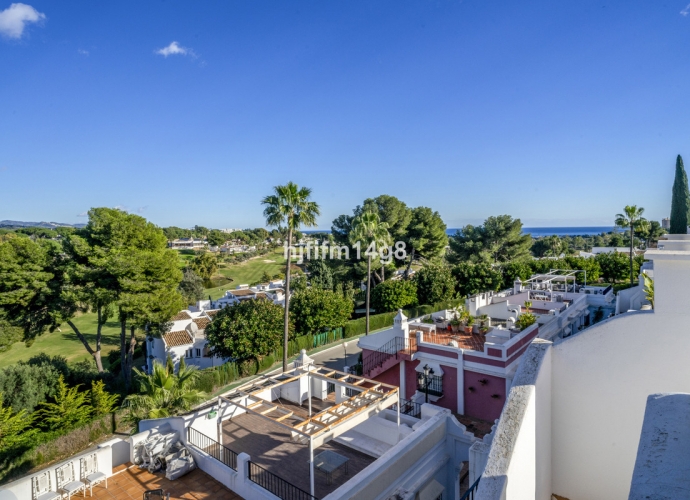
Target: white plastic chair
(67, 482)
(90, 475)
(41, 488)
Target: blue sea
(539, 231)
(558, 231)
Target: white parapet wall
(21, 488)
(662, 467)
(519, 462)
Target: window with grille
(198, 353)
(435, 385)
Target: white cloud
(685, 11)
(14, 19)
(83, 214)
(175, 49)
(83, 52)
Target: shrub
(315, 310)
(101, 400)
(393, 295)
(69, 409)
(525, 320)
(250, 329)
(435, 283)
(25, 386)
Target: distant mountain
(15, 224)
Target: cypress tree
(680, 202)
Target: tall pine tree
(680, 203)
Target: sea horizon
(534, 231)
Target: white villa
(186, 336)
(273, 290)
(604, 414)
(187, 244)
(562, 306)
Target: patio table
(328, 462)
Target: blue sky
(559, 113)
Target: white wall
(601, 380)
(432, 451)
(21, 489)
(513, 470)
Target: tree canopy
(251, 329)
(472, 279)
(316, 310)
(435, 283)
(680, 200)
(393, 295)
(499, 240)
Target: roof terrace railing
(276, 484)
(208, 445)
(408, 407)
(469, 494)
(397, 345)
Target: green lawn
(65, 343)
(249, 272)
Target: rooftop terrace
(271, 446)
(131, 483)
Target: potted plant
(455, 325)
(469, 323)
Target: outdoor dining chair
(41, 488)
(90, 475)
(67, 482)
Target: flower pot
(475, 329)
(468, 329)
(454, 328)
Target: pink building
(471, 372)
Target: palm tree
(370, 233)
(631, 218)
(163, 393)
(555, 246)
(289, 206)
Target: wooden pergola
(370, 398)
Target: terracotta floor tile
(133, 482)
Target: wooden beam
(258, 414)
(287, 415)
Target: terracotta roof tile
(174, 339)
(202, 323)
(242, 292)
(212, 312)
(180, 316)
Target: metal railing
(276, 484)
(408, 407)
(208, 445)
(435, 386)
(394, 347)
(469, 494)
